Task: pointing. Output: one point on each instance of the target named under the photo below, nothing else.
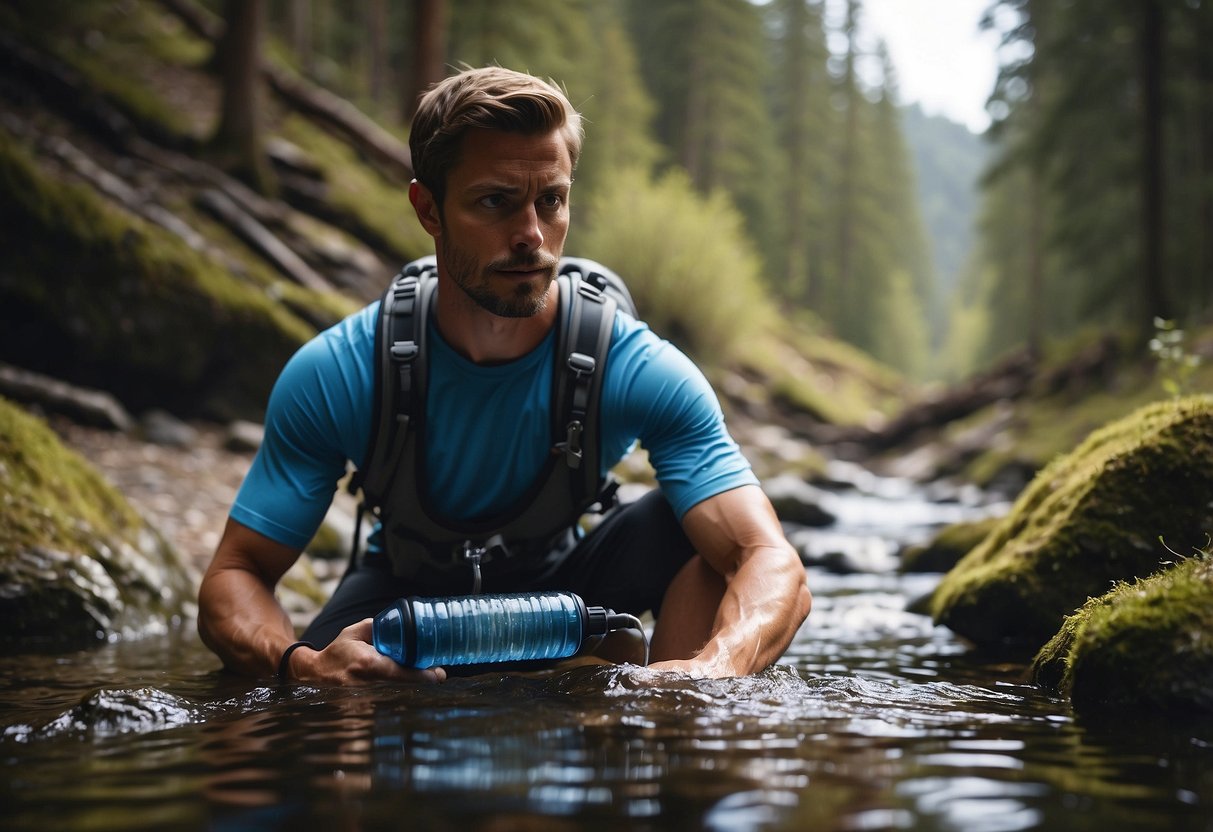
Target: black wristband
(284, 664)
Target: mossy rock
(1148, 643)
(77, 563)
(1087, 520)
(948, 546)
(96, 296)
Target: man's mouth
(527, 271)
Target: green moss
(1088, 519)
(1149, 642)
(100, 297)
(124, 49)
(832, 381)
(51, 495)
(948, 546)
(328, 544)
(381, 207)
(76, 561)
(1048, 426)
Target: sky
(943, 61)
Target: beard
(524, 298)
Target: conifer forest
(1095, 208)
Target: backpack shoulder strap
(400, 369)
(605, 279)
(581, 359)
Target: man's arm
(765, 595)
(240, 620)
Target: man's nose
(528, 236)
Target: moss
(1046, 427)
(1088, 519)
(76, 561)
(328, 544)
(1146, 643)
(100, 297)
(380, 207)
(126, 50)
(948, 546)
(51, 495)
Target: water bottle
(477, 629)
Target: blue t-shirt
(488, 431)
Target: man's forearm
(238, 616)
(760, 584)
(242, 622)
(765, 602)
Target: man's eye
(551, 200)
(492, 201)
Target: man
(494, 153)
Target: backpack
(568, 486)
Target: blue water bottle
(478, 629)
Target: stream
(874, 719)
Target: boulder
(1144, 644)
(796, 502)
(77, 563)
(96, 296)
(1086, 521)
(948, 546)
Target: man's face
(505, 217)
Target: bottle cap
(595, 623)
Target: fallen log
(119, 191)
(223, 208)
(1006, 381)
(387, 153)
(83, 405)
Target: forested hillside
(949, 161)
(1098, 206)
(727, 100)
(173, 156)
(757, 190)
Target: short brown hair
(491, 98)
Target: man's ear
(426, 208)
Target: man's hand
(241, 620)
(734, 608)
(352, 659)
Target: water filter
(478, 629)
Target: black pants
(624, 564)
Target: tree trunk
(376, 18)
(796, 141)
(845, 290)
(1204, 116)
(1036, 268)
(1154, 289)
(300, 12)
(429, 52)
(239, 140)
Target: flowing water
(875, 719)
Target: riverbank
(184, 492)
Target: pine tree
(804, 121)
(705, 61)
(239, 138)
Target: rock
(89, 407)
(947, 547)
(796, 502)
(163, 428)
(1148, 644)
(1087, 520)
(132, 309)
(243, 436)
(77, 563)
